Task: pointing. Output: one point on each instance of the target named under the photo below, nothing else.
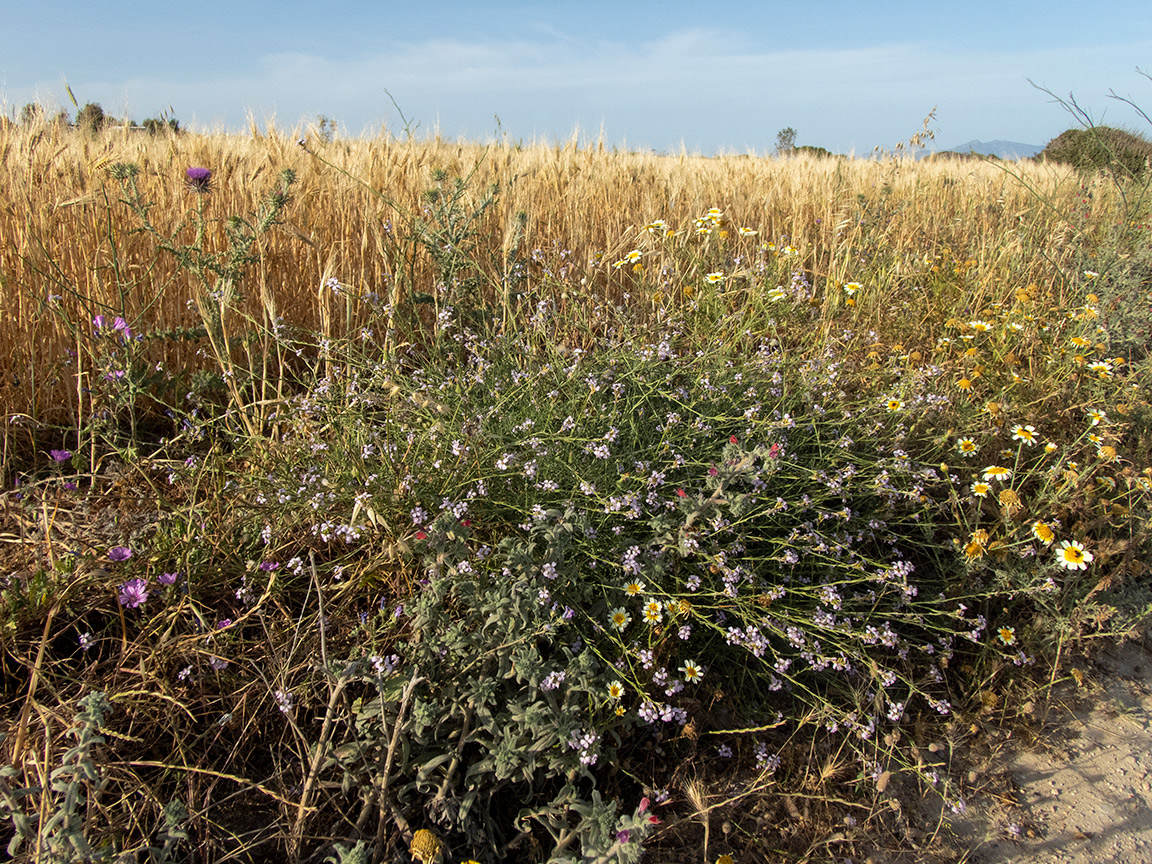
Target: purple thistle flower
(133, 593)
(199, 179)
(119, 553)
(61, 455)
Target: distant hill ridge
(1000, 149)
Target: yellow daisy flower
(1026, 434)
(692, 671)
(653, 611)
(1043, 532)
(425, 846)
(620, 618)
(1072, 555)
(997, 472)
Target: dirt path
(1083, 792)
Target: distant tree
(785, 140)
(31, 113)
(155, 125)
(326, 128)
(809, 150)
(91, 118)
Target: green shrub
(1101, 147)
(91, 118)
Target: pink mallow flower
(133, 593)
(119, 553)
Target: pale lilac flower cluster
(585, 744)
(651, 712)
(552, 680)
(384, 665)
(284, 701)
(764, 760)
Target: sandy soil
(1081, 790)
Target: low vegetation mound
(1100, 147)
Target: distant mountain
(1001, 149)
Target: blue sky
(720, 76)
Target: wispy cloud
(707, 87)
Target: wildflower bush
(499, 556)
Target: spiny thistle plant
(218, 275)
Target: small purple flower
(199, 179)
(218, 663)
(622, 836)
(86, 641)
(167, 578)
(119, 553)
(98, 322)
(268, 566)
(284, 701)
(133, 593)
(70, 486)
(61, 455)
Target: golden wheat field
(472, 499)
(68, 244)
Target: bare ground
(1078, 789)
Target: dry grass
(850, 220)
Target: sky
(708, 78)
